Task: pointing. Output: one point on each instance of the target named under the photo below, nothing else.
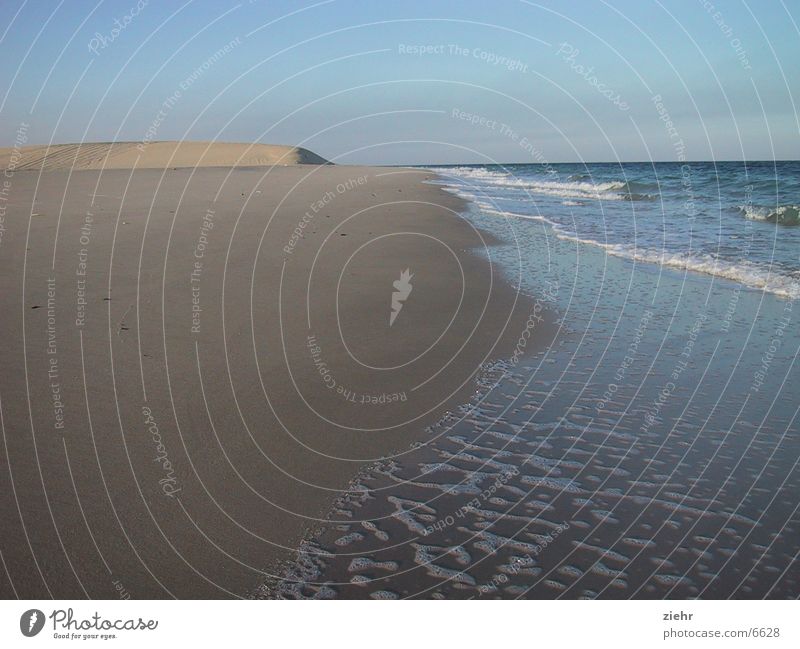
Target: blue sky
(550, 81)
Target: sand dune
(153, 155)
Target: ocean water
(650, 450)
(730, 219)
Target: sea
(651, 449)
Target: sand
(196, 362)
(153, 155)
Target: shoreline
(590, 471)
(216, 440)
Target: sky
(412, 82)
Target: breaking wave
(658, 234)
(749, 274)
(575, 189)
(782, 215)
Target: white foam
(747, 273)
(612, 190)
(782, 215)
(743, 272)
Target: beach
(327, 381)
(649, 452)
(388, 301)
(199, 359)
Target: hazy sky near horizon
(413, 82)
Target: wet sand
(613, 464)
(196, 363)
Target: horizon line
(614, 162)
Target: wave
(530, 217)
(744, 272)
(575, 189)
(782, 215)
(759, 276)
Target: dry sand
(169, 427)
(153, 155)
